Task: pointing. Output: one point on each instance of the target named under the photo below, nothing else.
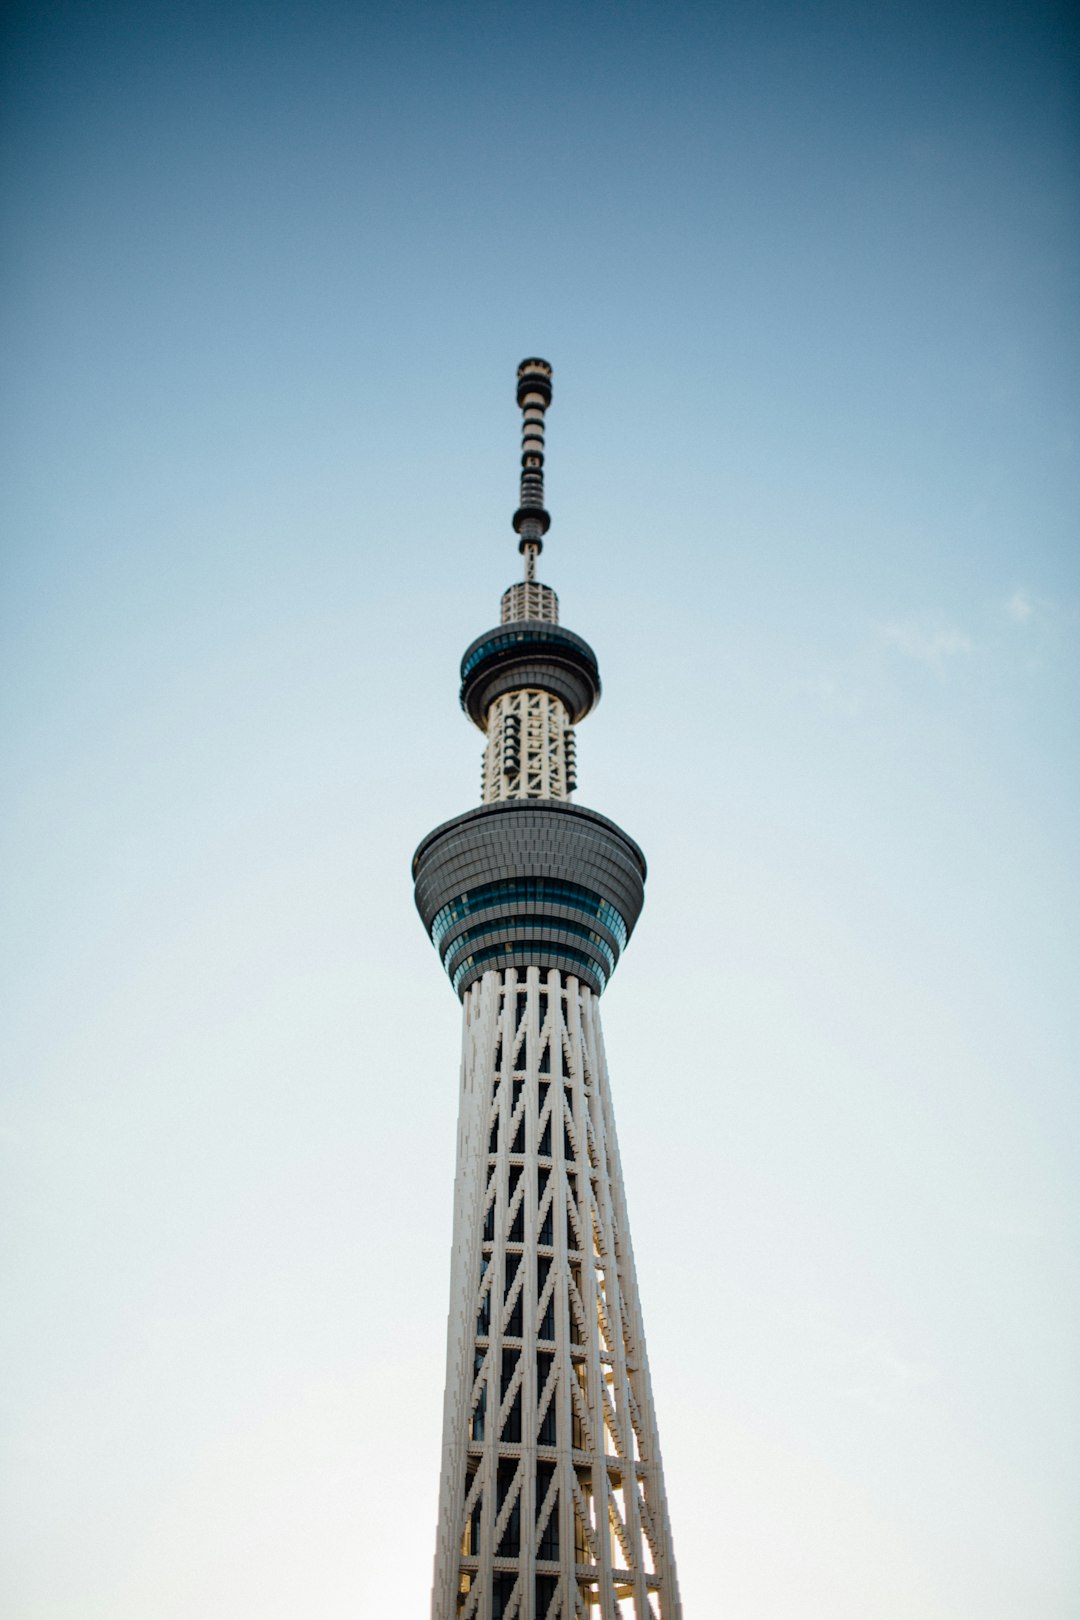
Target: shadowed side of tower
(551, 1501)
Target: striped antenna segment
(531, 520)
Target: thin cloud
(835, 693)
(880, 1379)
(925, 643)
(1020, 607)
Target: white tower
(551, 1503)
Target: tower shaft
(552, 1499)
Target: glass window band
(557, 925)
(526, 891)
(500, 643)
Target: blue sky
(807, 276)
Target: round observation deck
(529, 882)
(529, 652)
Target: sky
(807, 276)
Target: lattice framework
(530, 751)
(550, 1438)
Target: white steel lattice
(552, 1502)
(528, 599)
(529, 748)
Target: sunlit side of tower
(551, 1502)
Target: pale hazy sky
(807, 275)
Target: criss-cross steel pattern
(529, 753)
(552, 1502)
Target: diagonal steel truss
(552, 1503)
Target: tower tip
(531, 521)
(534, 377)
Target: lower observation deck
(529, 882)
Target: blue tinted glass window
(497, 643)
(556, 926)
(525, 891)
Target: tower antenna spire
(531, 521)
